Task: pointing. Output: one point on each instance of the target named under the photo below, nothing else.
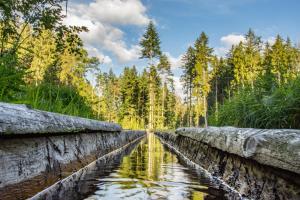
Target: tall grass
(252, 108)
(55, 98)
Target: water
(150, 171)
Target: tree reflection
(150, 172)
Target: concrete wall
(259, 164)
(39, 148)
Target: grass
(256, 109)
(54, 98)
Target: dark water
(151, 171)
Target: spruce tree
(143, 105)
(252, 48)
(150, 45)
(239, 63)
(169, 105)
(279, 60)
(164, 67)
(203, 54)
(267, 80)
(129, 98)
(154, 97)
(187, 79)
(292, 53)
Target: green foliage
(270, 98)
(150, 48)
(246, 60)
(143, 100)
(255, 85)
(129, 97)
(44, 56)
(34, 48)
(56, 98)
(203, 56)
(249, 108)
(150, 43)
(189, 61)
(10, 76)
(125, 99)
(44, 64)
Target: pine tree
(150, 44)
(201, 82)
(292, 54)
(143, 102)
(187, 79)
(169, 105)
(129, 97)
(239, 63)
(279, 60)
(155, 96)
(108, 85)
(267, 79)
(252, 48)
(164, 68)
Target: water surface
(151, 171)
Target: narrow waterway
(151, 171)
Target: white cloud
(101, 17)
(221, 51)
(232, 39)
(96, 53)
(226, 43)
(114, 11)
(271, 40)
(176, 62)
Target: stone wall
(39, 148)
(259, 164)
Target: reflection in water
(150, 172)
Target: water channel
(149, 171)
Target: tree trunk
(205, 111)
(204, 98)
(151, 107)
(190, 106)
(216, 98)
(163, 105)
(198, 113)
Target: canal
(148, 171)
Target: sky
(116, 26)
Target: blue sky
(116, 26)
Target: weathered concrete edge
(278, 148)
(69, 181)
(16, 119)
(47, 159)
(250, 178)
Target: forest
(44, 64)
